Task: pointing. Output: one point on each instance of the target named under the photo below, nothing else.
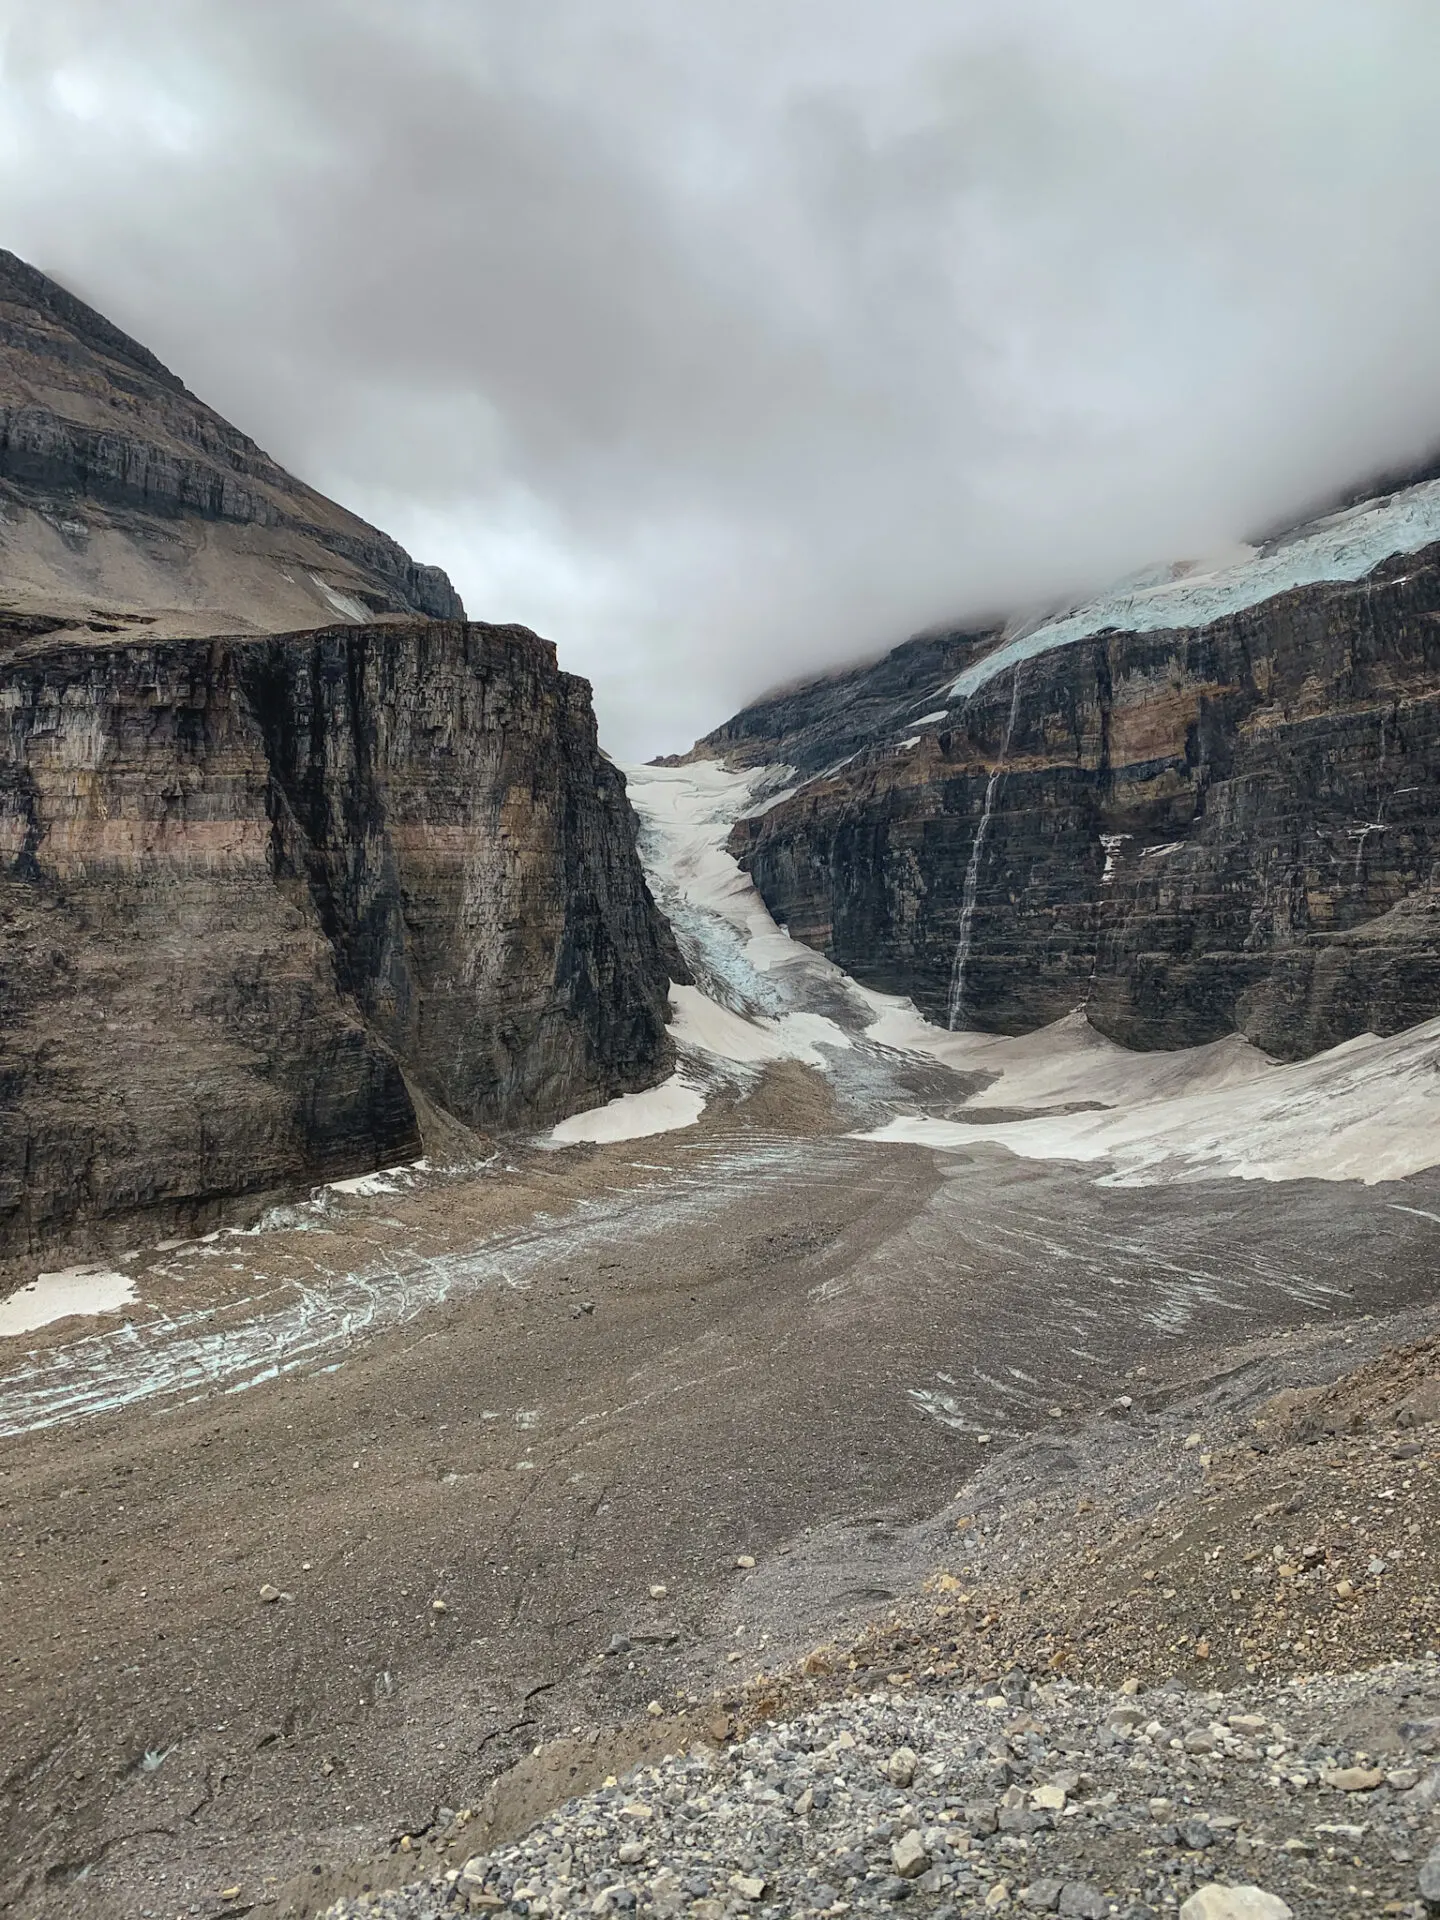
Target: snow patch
(382, 1180)
(634, 1116)
(707, 1027)
(56, 1296)
(345, 604)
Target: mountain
(1203, 803)
(275, 907)
(125, 501)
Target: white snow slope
(1344, 546)
(1368, 1110)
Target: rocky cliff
(262, 899)
(127, 503)
(1192, 810)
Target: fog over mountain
(730, 341)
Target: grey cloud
(729, 341)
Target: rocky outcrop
(262, 900)
(125, 499)
(1188, 831)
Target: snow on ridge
(1343, 546)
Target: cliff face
(260, 898)
(1187, 830)
(125, 500)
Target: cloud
(731, 341)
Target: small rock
(1080, 1901)
(908, 1856)
(658, 1592)
(1430, 1877)
(438, 1606)
(745, 1561)
(1199, 1743)
(654, 1709)
(1235, 1903)
(230, 1893)
(1191, 1440)
(902, 1764)
(998, 1896)
(631, 1852)
(1377, 1566)
(749, 1886)
(1041, 1896)
(1049, 1798)
(1197, 1835)
(1353, 1779)
(618, 1644)
(269, 1595)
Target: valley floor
(350, 1515)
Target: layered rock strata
(1188, 830)
(127, 503)
(262, 898)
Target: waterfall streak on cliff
(972, 870)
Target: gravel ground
(1227, 1532)
(1048, 1797)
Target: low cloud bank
(729, 342)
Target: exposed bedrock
(1191, 832)
(124, 498)
(264, 897)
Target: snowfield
(1368, 1110)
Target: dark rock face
(815, 726)
(1190, 833)
(120, 491)
(261, 899)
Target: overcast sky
(724, 340)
